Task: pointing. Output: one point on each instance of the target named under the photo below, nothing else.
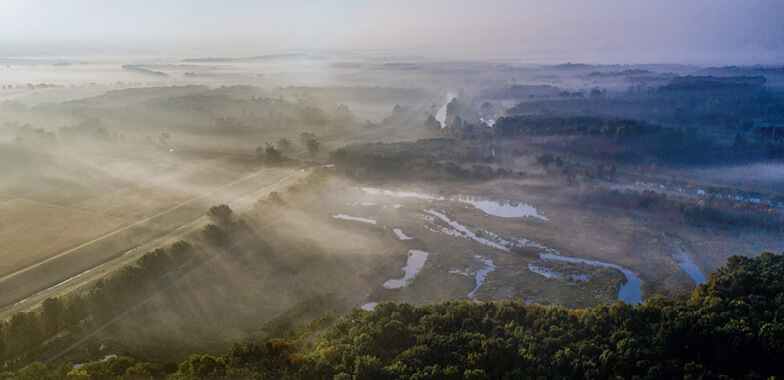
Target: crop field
(32, 231)
(100, 220)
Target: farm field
(69, 245)
(33, 232)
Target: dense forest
(730, 327)
(629, 141)
(438, 158)
(729, 102)
(716, 211)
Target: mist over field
(383, 190)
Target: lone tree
(269, 155)
(587, 176)
(221, 215)
(284, 145)
(51, 315)
(313, 147)
(304, 137)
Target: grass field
(105, 230)
(32, 231)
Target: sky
(627, 31)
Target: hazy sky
(684, 31)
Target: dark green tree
(52, 313)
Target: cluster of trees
(309, 142)
(28, 335)
(622, 140)
(91, 128)
(729, 102)
(276, 154)
(520, 91)
(439, 158)
(269, 155)
(30, 86)
(238, 111)
(224, 228)
(712, 210)
(730, 327)
(142, 69)
(548, 158)
(771, 139)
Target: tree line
(31, 336)
(435, 158)
(730, 327)
(712, 210)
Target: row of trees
(730, 327)
(729, 102)
(713, 210)
(29, 335)
(59, 320)
(275, 155)
(771, 139)
(437, 158)
(623, 140)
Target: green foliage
(221, 215)
(51, 313)
(23, 336)
(201, 367)
(113, 368)
(312, 146)
(438, 158)
(716, 209)
(216, 236)
(269, 155)
(623, 140)
(731, 327)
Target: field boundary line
(135, 224)
(161, 292)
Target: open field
(33, 232)
(114, 241)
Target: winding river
(441, 114)
(631, 290)
(501, 208)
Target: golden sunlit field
(33, 232)
(378, 190)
